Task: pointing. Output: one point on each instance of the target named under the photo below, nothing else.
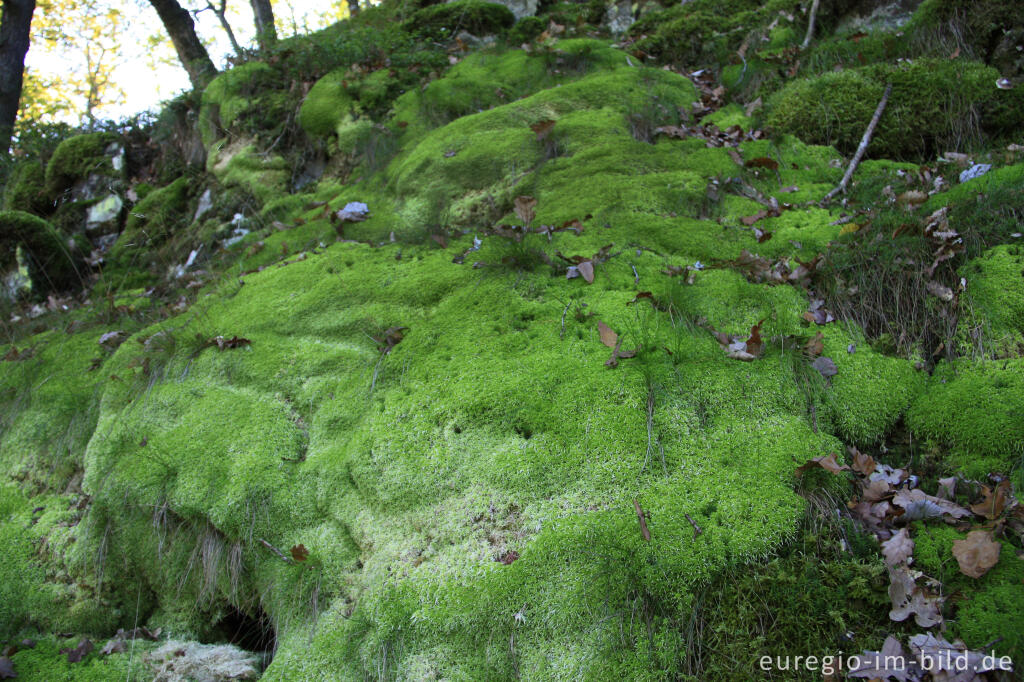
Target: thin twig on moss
(855, 161)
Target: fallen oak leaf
(910, 600)
(863, 464)
(76, 654)
(816, 346)
(977, 553)
(524, 206)
(899, 548)
(299, 552)
(608, 336)
(917, 504)
(586, 270)
(827, 462)
(995, 502)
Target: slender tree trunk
(263, 16)
(353, 7)
(15, 27)
(182, 30)
(222, 18)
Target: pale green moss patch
(973, 409)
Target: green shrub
(525, 30)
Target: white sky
(145, 81)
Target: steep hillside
(453, 343)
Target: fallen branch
(810, 25)
(643, 521)
(855, 161)
(275, 550)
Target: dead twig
(696, 529)
(643, 521)
(855, 161)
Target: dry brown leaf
(524, 208)
(910, 600)
(898, 548)
(827, 462)
(586, 269)
(608, 337)
(863, 464)
(816, 346)
(976, 553)
(995, 501)
(299, 552)
(917, 504)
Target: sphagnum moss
(467, 499)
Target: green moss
(24, 190)
(152, 222)
(77, 157)
(49, 405)
(52, 259)
(974, 410)
(994, 303)
(240, 165)
(45, 662)
(230, 96)
(924, 114)
(326, 105)
(871, 392)
(21, 595)
(445, 20)
(525, 30)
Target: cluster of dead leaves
(712, 135)
(888, 500)
(760, 270)
(931, 656)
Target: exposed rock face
(520, 8)
(104, 217)
(619, 17)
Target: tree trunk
(15, 29)
(263, 16)
(182, 30)
(353, 7)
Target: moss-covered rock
(973, 410)
(52, 259)
(446, 19)
(230, 96)
(25, 189)
(78, 157)
(239, 164)
(993, 321)
(935, 105)
(152, 222)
